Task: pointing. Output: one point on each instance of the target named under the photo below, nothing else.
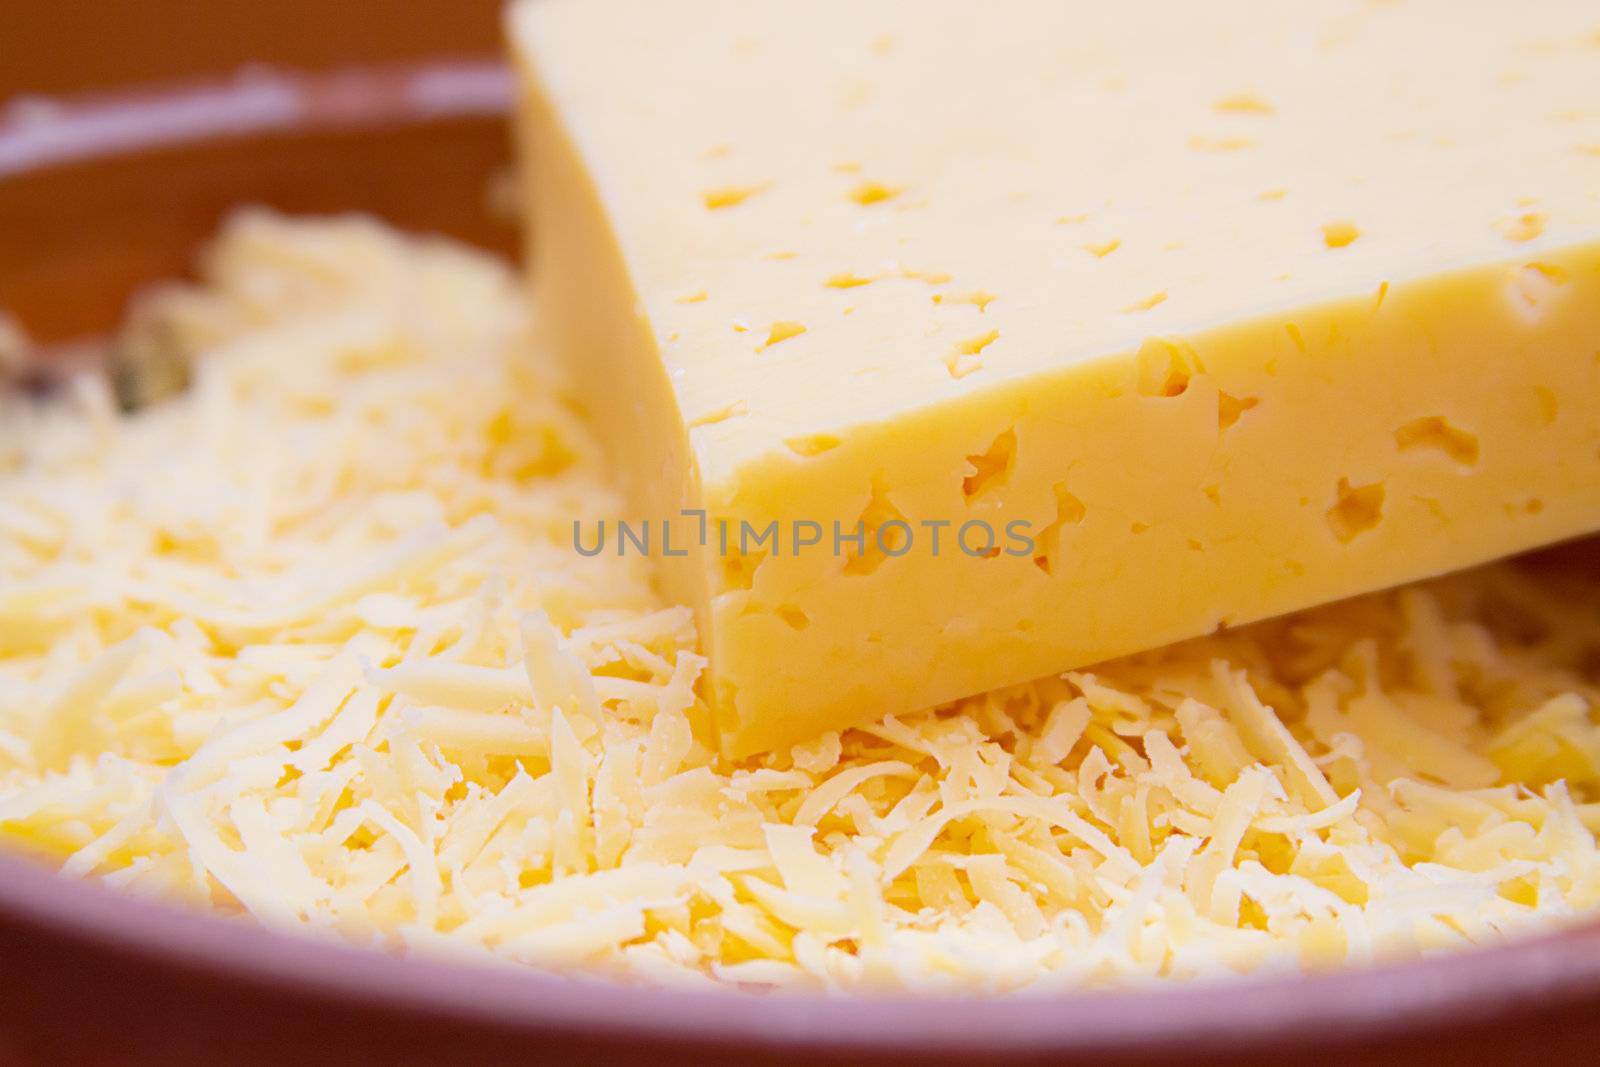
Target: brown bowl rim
(42, 132)
(1548, 971)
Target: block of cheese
(1109, 324)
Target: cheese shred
(310, 644)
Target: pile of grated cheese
(310, 644)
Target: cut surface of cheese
(1107, 325)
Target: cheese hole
(1533, 287)
(1069, 509)
(721, 414)
(1534, 506)
(991, 467)
(847, 280)
(1339, 234)
(1102, 249)
(1069, 512)
(1523, 227)
(781, 331)
(793, 617)
(1242, 104)
(973, 345)
(884, 533)
(739, 568)
(1357, 509)
(1165, 367)
(725, 196)
(868, 193)
(1139, 527)
(1296, 338)
(1230, 407)
(965, 357)
(1436, 432)
(978, 299)
(812, 445)
(1145, 304)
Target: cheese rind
(1231, 322)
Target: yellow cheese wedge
(1186, 314)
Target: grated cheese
(309, 644)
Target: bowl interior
(82, 233)
(82, 236)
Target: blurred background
(56, 46)
(79, 236)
